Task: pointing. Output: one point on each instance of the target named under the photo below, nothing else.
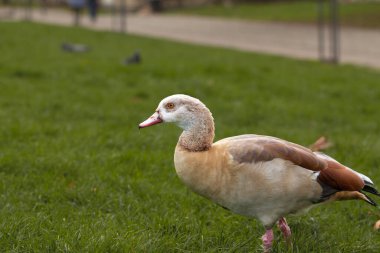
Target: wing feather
(256, 148)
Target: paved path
(359, 46)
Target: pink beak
(152, 120)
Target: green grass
(76, 175)
(361, 14)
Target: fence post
(321, 30)
(28, 9)
(123, 16)
(334, 28)
(330, 23)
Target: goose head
(191, 115)
(183, 110)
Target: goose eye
(169, 106)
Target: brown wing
(256, 148)
(339, 177)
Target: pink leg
(267, 240)
(285, 229)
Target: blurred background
(329, 30)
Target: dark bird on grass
(74, 48)
(254, 175)
(135, 58)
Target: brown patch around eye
(169, 106)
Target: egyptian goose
(254, 175)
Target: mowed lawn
(76, 174)
(352, 13)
